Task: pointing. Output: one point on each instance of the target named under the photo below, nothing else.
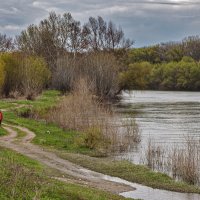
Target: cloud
(145, 21)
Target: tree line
(62, 50)
(59, 51)
(166, 66)
(174, 75)
(167, 52)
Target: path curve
(81, 175)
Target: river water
(166, 118)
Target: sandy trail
(80, 174)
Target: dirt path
(80, 174)
(16, 107)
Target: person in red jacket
(1, 117)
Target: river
(166, 118)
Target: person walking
(1, 117)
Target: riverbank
(24, 178)
(65, 144)
(130, 172)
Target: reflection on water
(165, 117)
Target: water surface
(165, 117)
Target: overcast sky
(144, 21)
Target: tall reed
(180, 161)
(84, 112)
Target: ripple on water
(167, 118)
(164, 116)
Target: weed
(181, 161)
(82, 112)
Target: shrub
(12, 73)
(102, 69)
(2, 74)
(136, 77)
(99, 69)
(25, 75)
(82, 111)
(35, 76)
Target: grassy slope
(22, 178)
(49, 135)
(54, 137)
(128, 171)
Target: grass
(23, 178)
(47, 134)
(9, 155)
(40, 106)
(131, 172)
(2, 131)
(20, 134)
(51, 136)
(4, 104)
(48, 99)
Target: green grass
(23, 178)
(49, 135)
(40, 106)
(7, 103)
(53, 137)
(6, 154)
(48, 99)
(2, 131)
(20, 134)
(130, 172)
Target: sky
(146, 22)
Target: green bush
(95, 140)
(35, 76)
(26, 75)
(12, 73)
(136, 77)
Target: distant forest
(166, 66)
(59, 51)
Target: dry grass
(185, 161)
(181, 161)
(83, 112)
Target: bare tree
(53, 37)
(105, 36)
(192, 47)
(101, 70)
(77, 38)
(71, 50)
(65, 73)
(6, 43)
